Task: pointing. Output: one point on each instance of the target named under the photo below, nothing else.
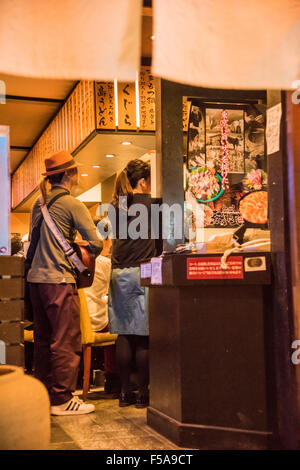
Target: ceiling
(30, 106)
(94, 153)
(32, 103)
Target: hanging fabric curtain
(228, 44)
(71, 39)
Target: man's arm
(83, 222)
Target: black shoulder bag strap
(35, 234)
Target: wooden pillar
(281, 317)
(293, 175)
(169, 150)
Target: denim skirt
(127, 303)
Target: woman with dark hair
(127, 304)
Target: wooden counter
(211, 356)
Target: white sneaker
(75, 406)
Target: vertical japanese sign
(127, 106)
(4, 191)
(186, 106)
(224, 145)
(147, 99)
(105, 105)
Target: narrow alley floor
(108, 428)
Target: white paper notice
(156, 268)
(273, 128)
(4, 191)
(146, 270)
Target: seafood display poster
(225, 161)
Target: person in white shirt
(96, 297)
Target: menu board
(146, 99)
(83, 109)
(126, 106)
(105, 105)
(91, 107)
(71, 124)
(87, 116)
(186, 106)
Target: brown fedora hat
(58, 163)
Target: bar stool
(89, 338)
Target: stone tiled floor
(108, 428)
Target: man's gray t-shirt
(50, 264)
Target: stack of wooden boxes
(12, 310)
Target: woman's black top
(128, 252)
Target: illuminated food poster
(225, 161)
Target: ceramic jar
(24, 411)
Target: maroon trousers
(57, 338)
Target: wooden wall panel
(15, 355)
(12, 310)
(12, 266)
(12, 288)
(74, 122)
(12, 332)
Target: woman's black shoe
(142, 401)
(112, 384)
(127, 399)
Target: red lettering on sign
(210, 268)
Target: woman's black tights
(129, 347)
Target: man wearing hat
(53, 292)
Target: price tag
(146, 270)
(156, 271)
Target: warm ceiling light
(84, 174)
(126, 143)
(109, 155)
(96, 166)
(152, 37)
